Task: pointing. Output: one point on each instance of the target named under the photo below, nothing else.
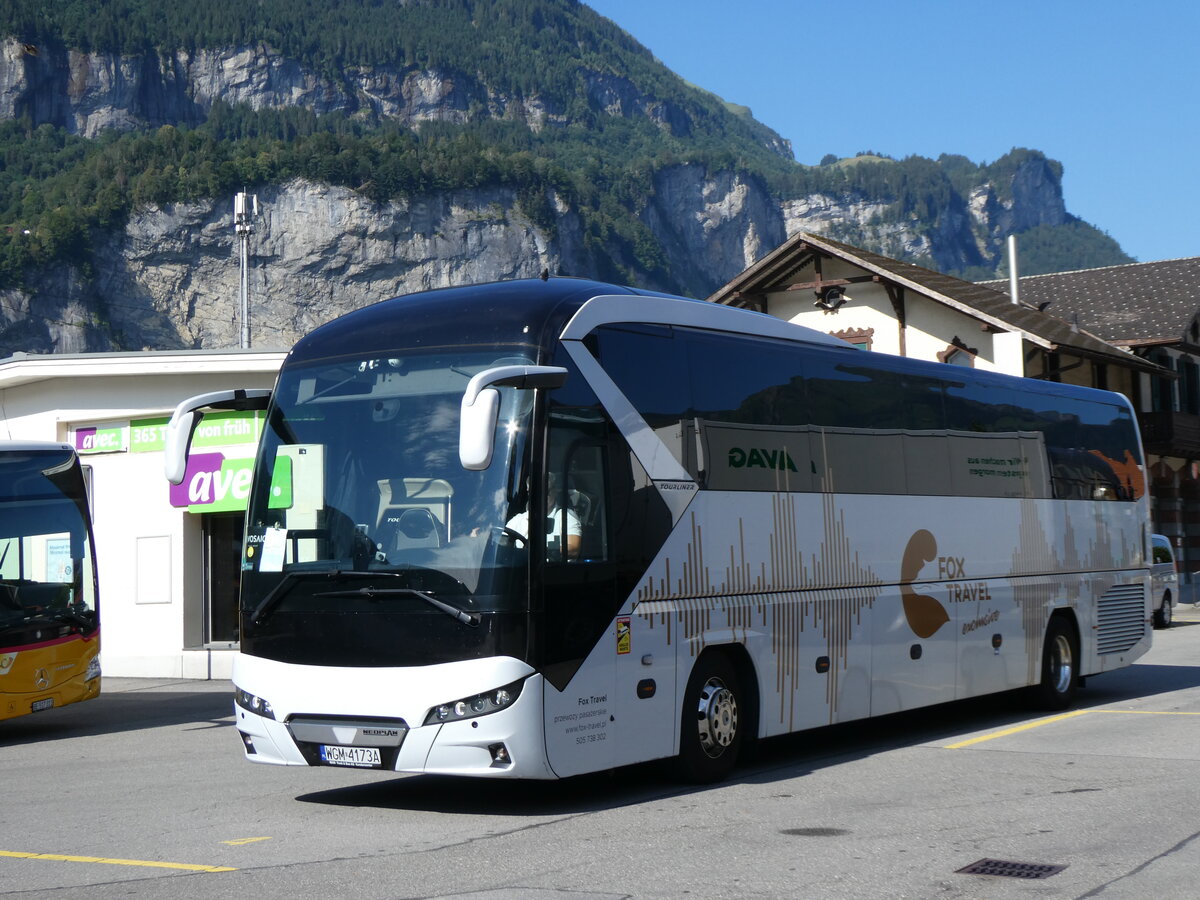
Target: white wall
(930, 326)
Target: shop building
(168, 556)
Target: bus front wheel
(1060, 666)
(1162, 615)
(713, 720)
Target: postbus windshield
(367, 542)
(47, 578)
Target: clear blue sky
(1109, 89)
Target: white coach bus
(742, 528)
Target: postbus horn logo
(925, 614)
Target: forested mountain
(400, 145)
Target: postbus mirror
(187, 416)
(481, 407)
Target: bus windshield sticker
(272, 550)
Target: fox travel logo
(925, 614)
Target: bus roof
(539, 309)
(536, 312)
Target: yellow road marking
(1016, 729)
(1146, 712)
(1071, 715)
(237, 842)
(60, 857)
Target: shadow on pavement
(475, 796)
(119, 712)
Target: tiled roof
(775, 270)
(1139, 303)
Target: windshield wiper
(276, 593)
(65, 616)
(371, 593)
(273, 596)
(71, 617)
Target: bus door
(579, 601)
(609, 675)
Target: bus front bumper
(508, 743)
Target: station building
(168, 557)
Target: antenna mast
(245, 210)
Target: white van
(1163, 581)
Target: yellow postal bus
(49, 612)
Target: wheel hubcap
(1062, 664)
(718, 717)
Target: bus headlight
(475, 705)
(93, 669)
(255, 704)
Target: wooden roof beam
(822, 283)
(754, 300)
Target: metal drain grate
(1010, 869)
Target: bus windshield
(47, 581)
(363, 527)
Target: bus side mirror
(477, 427)
(481, 407)
(187, 416)
(179, 438)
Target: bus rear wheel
(712, 722)
(1060, 666)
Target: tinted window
(853, 390)
(747, 413)
(1089, 447)
(649, 366)
(750, 412)
(746, 380)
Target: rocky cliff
(87, 92)
(170, 277)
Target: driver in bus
(556, 518)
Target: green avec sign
(216, 429)
(146, 435)
(215, 484)
(227, 429)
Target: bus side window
(649, 365)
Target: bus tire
(713, 720)
(1060, 666)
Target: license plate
(359, 757)
(39, 705)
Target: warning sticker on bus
(624, 639)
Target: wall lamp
(830, 298)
